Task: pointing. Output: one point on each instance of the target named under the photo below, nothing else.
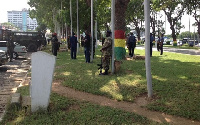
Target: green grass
(176, 80)
(185, 46)
(64, 111)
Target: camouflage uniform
(107, 53)
(10, 48)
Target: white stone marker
(41, 79)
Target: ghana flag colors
(120, 51)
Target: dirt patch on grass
(126, 106)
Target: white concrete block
(41, 79)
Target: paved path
(11, 76)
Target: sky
(9, 5)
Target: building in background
(22, 20)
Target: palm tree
(120, 25)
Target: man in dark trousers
(10, 47)
(151, 43)
(87, 47)
(161, 44)
(131, 44)
(73, 43)
(55, 44)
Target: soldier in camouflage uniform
(106, 52)
(10, 47)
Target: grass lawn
(176, 88)
(64, 111)
(176, 80)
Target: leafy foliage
(174, 10)
(135, 14)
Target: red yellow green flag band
(120, 43)
(119, 34)
(120, 51)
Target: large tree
(43, 11)
(174, 10)
(120, 27)
(135, 15)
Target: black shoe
(105, 73)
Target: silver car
(3, 57)
(18, 50)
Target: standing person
(68, 43)
(158, 43)
(10, 47)
(73, 43)
(55, 44)
(127, 37)
(87, 47)
(82, 41)
(151, 43)
(161, 44)
(131, 44)
(106, 52)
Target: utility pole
(92, 53)
(96, 26)
(147, 47)
(61, 20)
(71, 15)
(77, 27)
(113, 34)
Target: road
(175, 50)
(11, 76)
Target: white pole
(71, 15)
(147, 47)
(66, 36)
(77, 28)
(194, 36)
(113, 33)
(61, 20)
(91, 30)
(96, 30)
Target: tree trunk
(120, 27)
(138, 32)
(173, 34)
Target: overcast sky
(9, 5)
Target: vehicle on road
(3, 57)
(18, 50)
(31, 40)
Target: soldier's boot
(106, 71)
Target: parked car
(3, 57)
(18, 50)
